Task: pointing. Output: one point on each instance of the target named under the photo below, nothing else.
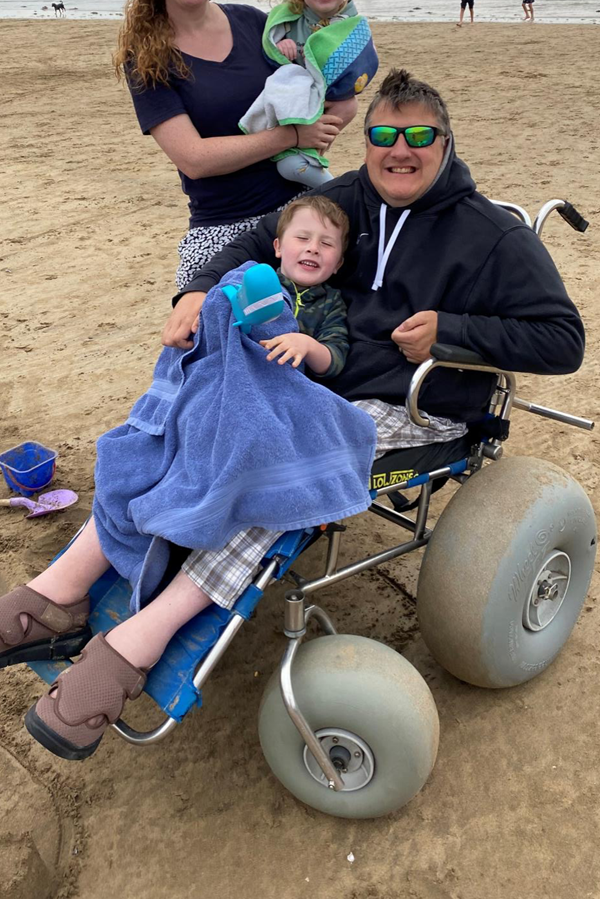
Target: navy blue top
(215, 98)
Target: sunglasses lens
(382, 136)
(420, 136)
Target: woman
(194, 67)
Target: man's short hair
(325, 209)
(399, 88)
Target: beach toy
(28, 467)
(46, 502)
(258, 299)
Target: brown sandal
(53, 631)
(95, 687)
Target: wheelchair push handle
(566, 210)
(573, 217)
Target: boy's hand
(416, 335)
(293, 346)
(289, 49)
(183, 321)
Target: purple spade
(46, 502)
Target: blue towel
(224, 441)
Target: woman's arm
(199, 157)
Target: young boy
(312, 236)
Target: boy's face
(324, 8)
(310, 249)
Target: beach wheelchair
(347, 724)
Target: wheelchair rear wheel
(506, 572)
(374, 715)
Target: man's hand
(289, 48)
(293, 346)
(183, 321)
(416, 335)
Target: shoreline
(396, 20)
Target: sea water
(562, 11)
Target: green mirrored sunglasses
(414, 135)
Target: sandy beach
(91, 217)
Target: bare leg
(143, 638)
(526, 12)
(531, 11)
(72, 575)
(472, 14)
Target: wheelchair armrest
(446, 356)
(443, 352)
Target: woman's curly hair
(146, 53)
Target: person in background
(528, 10)
(463, 6)
(193, 69)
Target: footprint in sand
(35, 845)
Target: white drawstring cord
(384, 254)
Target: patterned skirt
(200, 244)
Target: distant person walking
(528, 10)
(463, 6)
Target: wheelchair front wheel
(374, 715)
(506, 572)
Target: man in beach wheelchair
(347, 724)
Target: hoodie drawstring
(299, 294)
(383, 253)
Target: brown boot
(84, 701)
(53, 631)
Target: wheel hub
(547, 594)
(349, 755)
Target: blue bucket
(28, 467)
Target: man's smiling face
(401, 174)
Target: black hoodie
(489, 277)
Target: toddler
(333, 59)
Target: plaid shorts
(395, 430)
(225, 573)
